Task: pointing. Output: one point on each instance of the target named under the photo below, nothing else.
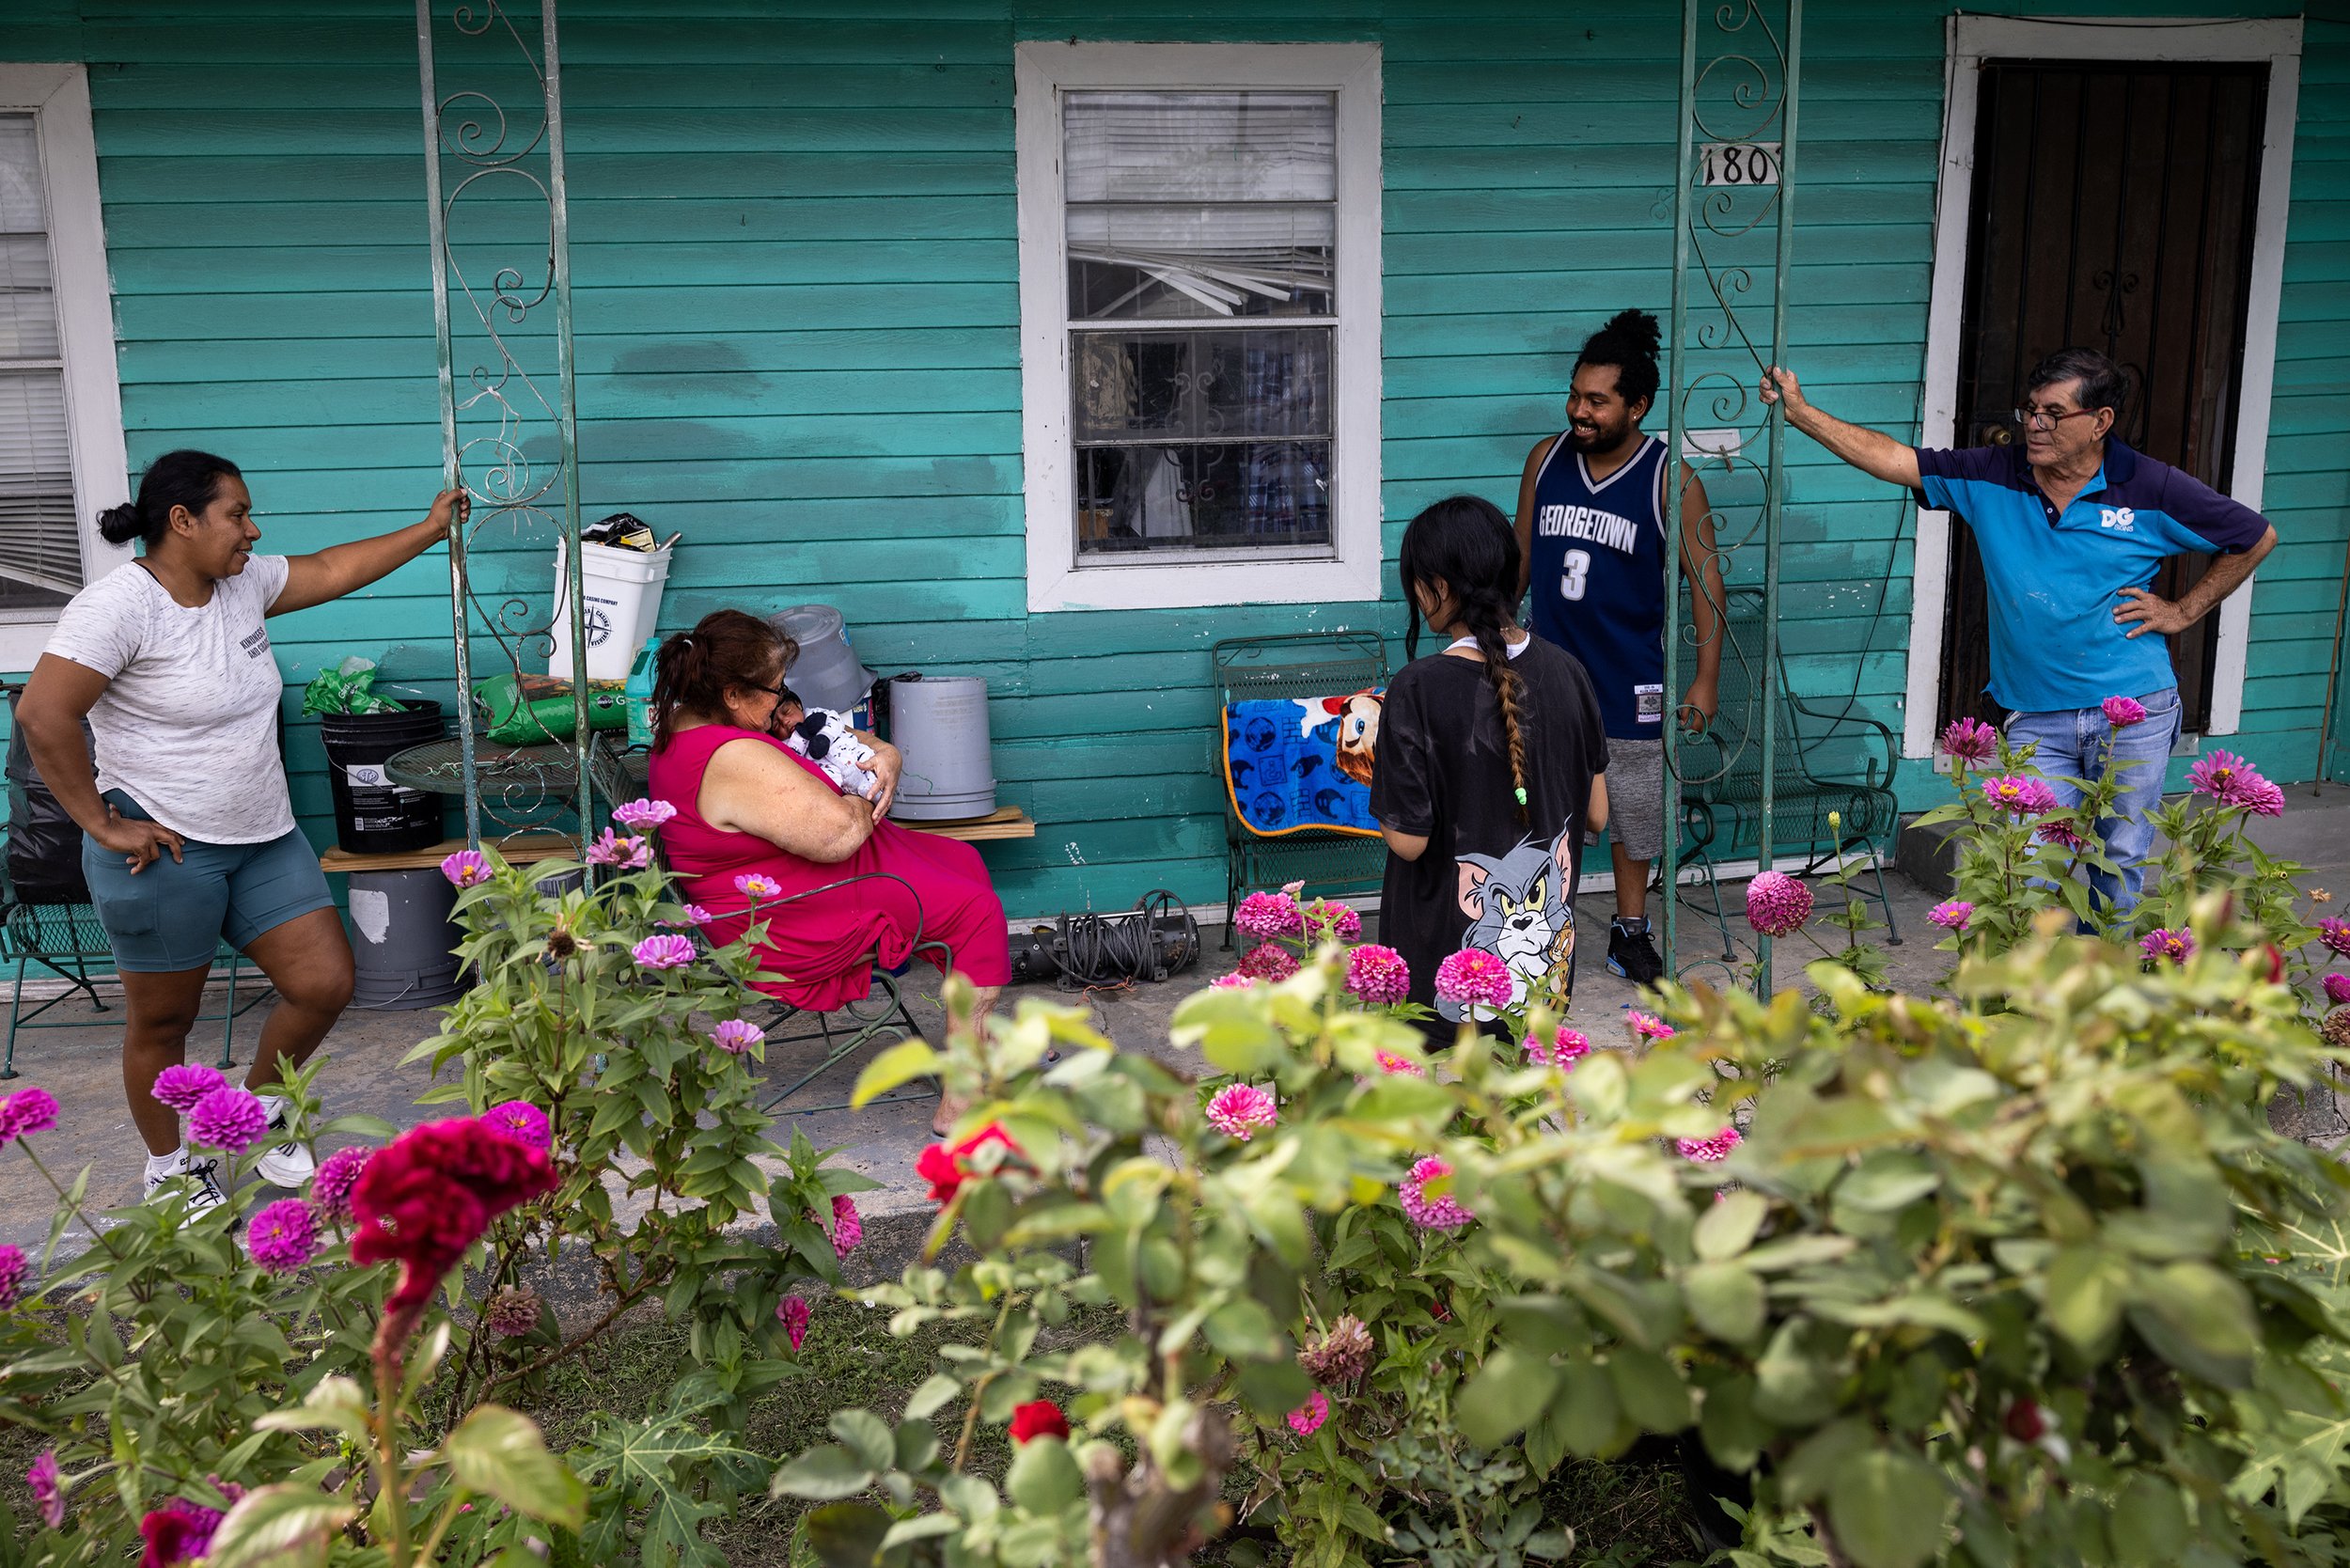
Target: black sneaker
(1632, 954)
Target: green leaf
(822, 1474)
(1726, 1300)
(1245, 1331)
(1886, 1507)
(334, 1405)
(899, 1065)
(1043, 1477)
(2148, 1521)
(1507, 1392)
(1815, 1461)
(2086, 1289)
(921, 1528)
(282, 1525)
(1590, 1423)
(2199, 1321)
(931, 1395)
(866, 1435)
(1889, 1179)
(846, 1535)
(502, 1454)
(1729, 1227)
(1650, 1390)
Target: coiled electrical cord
(1151, 941)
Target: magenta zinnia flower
(1971, 741)
(1566, 1047)
(29, 1110)
(1268, 961)
(182, 1086)
(1709, 1150)
(2335, 933)
(664, 951)
(1265, 916)
(693, 915)
(793, 1314)
(2059, 831)
(2338, 989)
(2220, 775)
(2177, 946)
(227, 1119)
(1430, 1214)
(1233, 982)
(2019, 794)
(11, 1274)
(642, 816)
(2263, 798)
(1391, 1063)
(1474, 978)
(758, 886)
(848, 1225)
(41, 1477)
(1307, 1418)
(630, 855)
(283, 1235)
(737, 1035)
(1647, 1026)
(467, 867)
(2123, 711)
(330, 1189)
(520, 1121)
(1776, 904)
(1240, 1111)
(1377, 976)
(1951, 913)
(1323, 918)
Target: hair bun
(1638, 327)
(119, 525)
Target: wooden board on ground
(1008, 822)
(519, 850)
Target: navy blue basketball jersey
(1598, 579)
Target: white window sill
(1179, 583)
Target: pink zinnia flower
(1474, 978)
(2220, 775)
(755, 885)
(1377, 976)
(1265, 916)
(12, 1271)
(227, 1119)
(2123, 711)
(520, 1121)
(793, 1314)
(41, 1477)
(2058, 830)
(182, 1086)
(692, 915)
(643, 816)
(2335, 933)
(1566, 1047)
(330, 1189)
(1392, 1064)
(512, 1313)
(1776, 904)
(737, 1035)
(1437, 1213)
(1951, 913)
(1240, 1111)
(29, 1110)
(2019, 794)
(1234, 982)
(1323, 918)
(629, 853)
(664, 951)
(1709, 1150)
(2263, 798)
(1647, 1026)
(1307, 1418)
(2338, 989)
(1269, 961)
(2162, 942)
(467, 867)
(1971, 741)
(848, 1225)
(283, 1235)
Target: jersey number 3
(1578, 564)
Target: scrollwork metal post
(487, 418)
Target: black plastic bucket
(373, 815)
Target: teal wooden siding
(794, 251)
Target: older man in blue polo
(2073, 525)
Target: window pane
(1142, 262)
(1169, 498)
(1201, 385)
(41, 556)
(21, 209)
(28, 310)
(1199, 146)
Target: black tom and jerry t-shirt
(1487, 879)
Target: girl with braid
(1490, 769)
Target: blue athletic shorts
(173, 915)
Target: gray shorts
(1635, 796)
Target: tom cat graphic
(1520, 911)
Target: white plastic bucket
(624, 599)
(939, 723)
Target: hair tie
(1521, 795)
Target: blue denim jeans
(2072, 746)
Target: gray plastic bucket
(403, 939)
(939, 723)
(826, 673)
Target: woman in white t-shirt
(189, 836)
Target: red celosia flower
(430, 1194)
(945, 1168)
(1039, 1418)
(2024, 1422)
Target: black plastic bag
(44, 852)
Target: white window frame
(1057, 580)
(1974, 40)
(58, 98)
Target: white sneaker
(286, 1165)
(204, 1190)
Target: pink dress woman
(822, 947)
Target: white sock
(172, 1164)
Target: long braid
(1484, 619)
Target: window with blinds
(1202, 237)
(40, 553)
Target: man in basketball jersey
(1592, 533)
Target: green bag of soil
(535, 710)
(347, 688)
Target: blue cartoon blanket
(1302, 762)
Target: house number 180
(1739, 162)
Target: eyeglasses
(2049, 419)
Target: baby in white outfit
(826, 739)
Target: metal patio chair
(1304, 664)
(1827, 758)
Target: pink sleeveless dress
(823, 945)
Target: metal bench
(1306, 663)
(1827, 758)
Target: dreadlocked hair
(727, 650)
(1630, 342)
(1464, 543)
